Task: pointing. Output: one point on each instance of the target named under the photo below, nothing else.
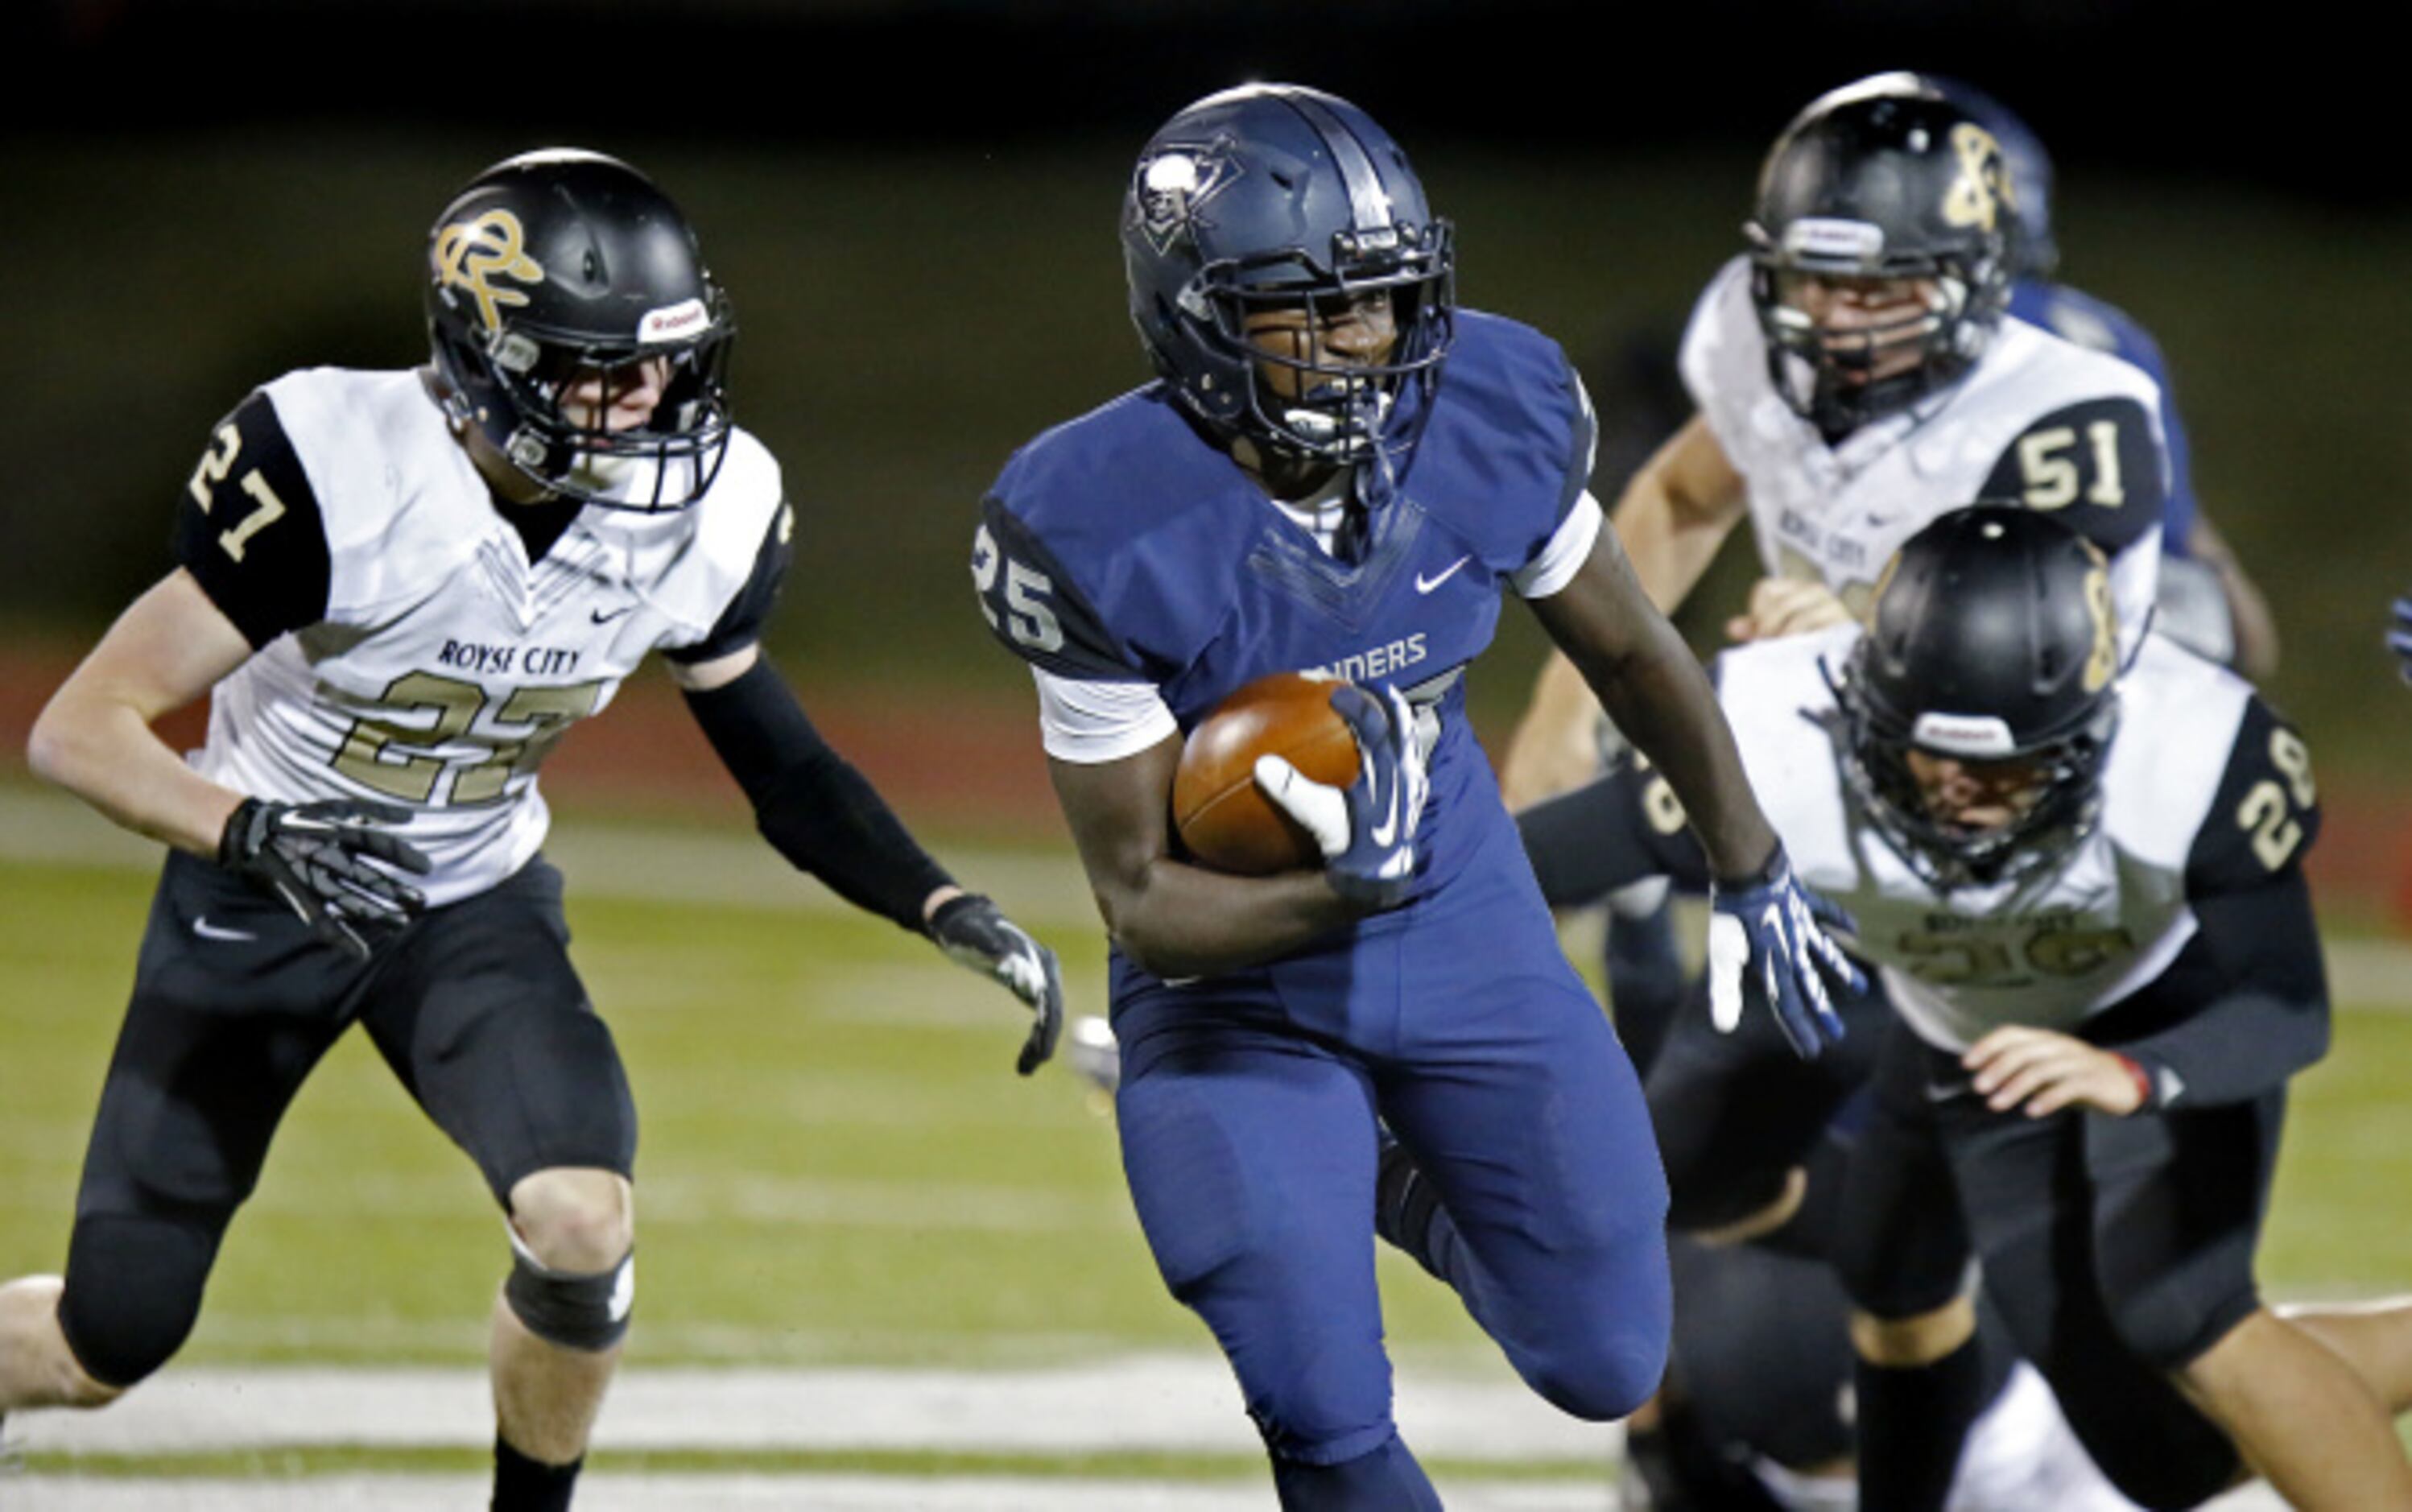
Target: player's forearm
(811, 805)
(1670, 539)
(1177, 920)
(2248, 611)
(2268, 1018)
(1586, 843)
(1554, 749)
(104, 752)
(1663, 702)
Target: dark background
(914, 206)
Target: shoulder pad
(1508, 449)
(2098, 462)
(2266, 814)
(250, 529)
(1036, 607)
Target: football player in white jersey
(400, 589)
(1855, 374)
(2084, 889)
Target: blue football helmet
(1886, 177)
(1277, 197)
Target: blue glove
(976, 934)
(2399, 639)
(1366, 831)
(1767, 940)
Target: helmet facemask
(1273, 197)
(564, 271)
(1834, 376)
(1881, 179)
(1316, 402)
(2058, 807)
(517, 380)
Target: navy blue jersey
(2076, 315)
(1125, 546)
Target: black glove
(974, 934)
(317, 858)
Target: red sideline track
(968, 764)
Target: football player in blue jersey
(1338, 468)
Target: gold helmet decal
(469, 255)
(1866, 613)
(2104, 660)
(1983, 190)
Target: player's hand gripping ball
(1224, 819)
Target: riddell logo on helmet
(671, 321)
(1964, 735)
(1824, 236)
(469, 255)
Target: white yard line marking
(1149, 1404)
(604, 1491)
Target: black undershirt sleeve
(812, 807)
(248, 527)
(2243, 1008)
(2245, 1004)
(1627, 826)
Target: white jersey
(443, 665)
(2038, 420)
(2061, 943)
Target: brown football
(1224, 819)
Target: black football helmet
(559, 264)
(1884, 177)
(1992, 638)
(1277, 196)
(2036, 252)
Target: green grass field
(837, 1162)
(837, 1165)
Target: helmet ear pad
(1992, 638)
(562, 265)
(1278, 195)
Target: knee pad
(133, 1292)
(588, 1312)
(1599, 1380)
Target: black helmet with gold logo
(1888, 180)
(1991, 646)
(560, 283)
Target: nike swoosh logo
(601, 618)
(208, 931)
(1387, 829)
(1937, 1092)
(1425, 585)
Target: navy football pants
(1247, 1113)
